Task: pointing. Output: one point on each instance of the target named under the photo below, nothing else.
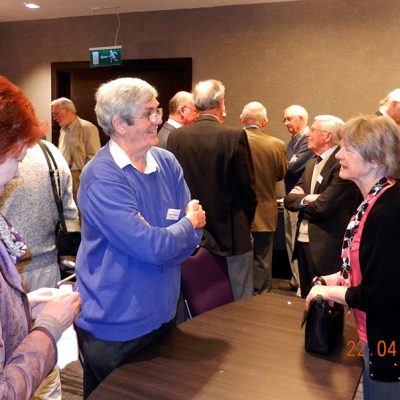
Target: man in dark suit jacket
(181, 112)
(325, 203)
(218, 169)
(270, 166)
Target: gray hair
(394, 95)
(297, 111)
(120, 98)
(330, 123)
(254, 110)
(376, 139)
(208, 94)
(63, 102)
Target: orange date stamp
(359, 348)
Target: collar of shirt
(300, 134)
(174, 123)
(71, 126)
(209, 115)
(252, 126)
(122, 159)
(325, 155)
(383, 111)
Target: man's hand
(297, 190)
(196, 214)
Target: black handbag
(68, 239)
(68, 232)
(324, 326)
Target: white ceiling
(14, 10)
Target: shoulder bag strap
(53, 171)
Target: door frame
(61, 75)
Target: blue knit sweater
(128, 264)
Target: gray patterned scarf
(12, 240)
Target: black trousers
(101, 357)
(307, 270)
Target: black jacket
(218, 169)
(379, 292)
(328, 216)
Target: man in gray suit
(182, 111)
(297, 153)
(270, 166)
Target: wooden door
(78, 82)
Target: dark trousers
(263, 243)
(307, 270)
(101, 357)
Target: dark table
(248, 350)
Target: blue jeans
(378, 390)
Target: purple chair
(205, 282)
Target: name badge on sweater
(320, 179)
(173, 214)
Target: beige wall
(332, 56)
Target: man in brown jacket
(270, 166)
(79, 139)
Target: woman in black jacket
(370, 277)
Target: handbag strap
(53, 171)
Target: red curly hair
(19, 127)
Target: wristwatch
(318, 280)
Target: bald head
(182, 108)
(180, 99)
(254, 113)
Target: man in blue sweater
(138, 225)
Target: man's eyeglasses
(57, 113)
(153, 117)
(190, 108)
(318, 130)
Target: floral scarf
(12, 240)
(353, 226)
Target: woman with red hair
(28, 350)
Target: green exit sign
(105, 56)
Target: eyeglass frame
(154, 116)
(194, 109)
(317, 129)
(54, 114)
